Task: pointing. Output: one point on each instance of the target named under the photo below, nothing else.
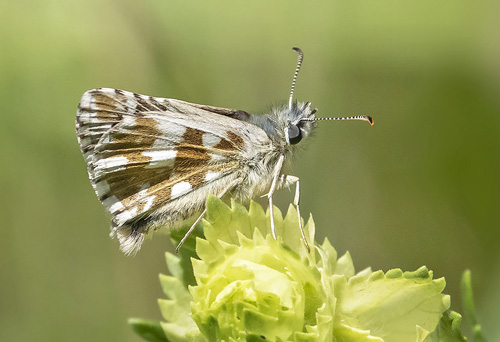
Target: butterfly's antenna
(299, 63)
(357, 117)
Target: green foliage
(250, 287)
(468, 303)
(448, 329)
(150, 331)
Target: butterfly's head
(301, 122)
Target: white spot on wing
(210, 140)
(160, 158)
(113, 204)
(211, 175)
(172, 130)
(85, 100)
(180, 189)
(215, 157)
(125, 216)
(128, 121)
(143, 193)
(149, 203)
(111, 162)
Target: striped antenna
(299, 63)
(357, 117)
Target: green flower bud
(257, 289)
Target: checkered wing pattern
(154, 160)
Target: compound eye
(294, 134)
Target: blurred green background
(421, 187)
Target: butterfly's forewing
(147, 155)
(144, 166)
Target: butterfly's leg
(190, 230)
(271, 213)
(272, 188)
(286, 181)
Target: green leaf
(176, 310)
(448, 329)
(147, 329)
(391, 305)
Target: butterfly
(153, 161)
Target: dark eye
(294, 134)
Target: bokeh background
(421, 187)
